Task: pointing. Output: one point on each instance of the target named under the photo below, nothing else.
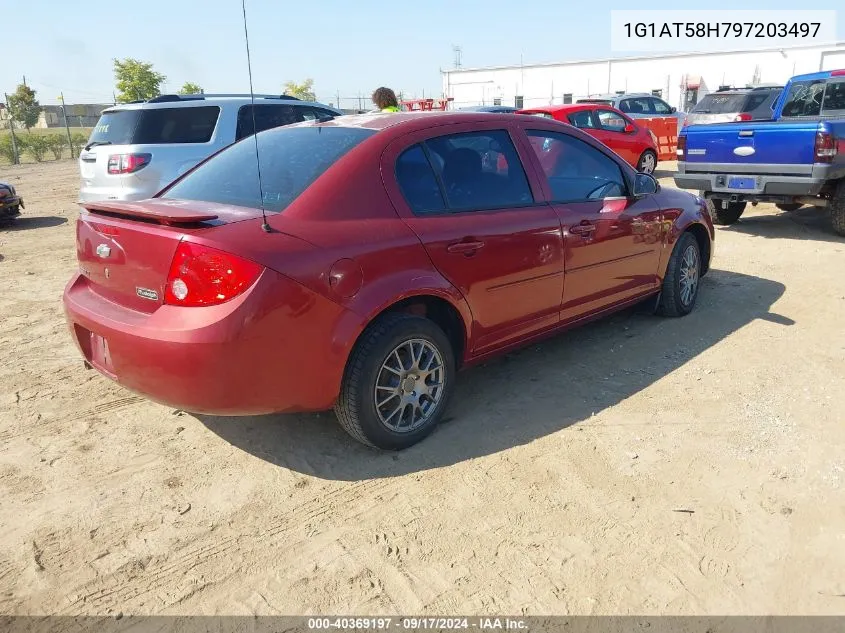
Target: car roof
(196, 101)
(824, 74)
(567, 107)
(383, 120)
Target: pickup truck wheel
(724, 212)
(836, 208)
(397, 382)
(792, 206)
(647, 162)
(681, 281)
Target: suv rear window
(721, 103)
(156, 126)
(291, 159)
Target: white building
(679, 79)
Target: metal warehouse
(679, 79)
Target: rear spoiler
(168, 212)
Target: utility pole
(67, 127)
(338, 100)
(114, 97)
(17, 160)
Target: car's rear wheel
(724, 212)
(397, 382)
(836, 209)
(648, 162)
(681, 282)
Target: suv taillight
(825, 149)
(203, 276)
(681, 150)
(128, 163)
(742, 116)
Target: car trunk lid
(125, 249)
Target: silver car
(733, 104)
(137, 149)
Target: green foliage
(136, 80)
(190, 88)
(36, 145)
(56, 143)
(304, 91)
(78, 141)
(6, 150)
(23, 106)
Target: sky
(347, 47)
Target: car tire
(385, 345)
(682, 279)
(725, 213)
(647, 163)
(836, 209)
(792, 206)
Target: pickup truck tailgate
(750, 148)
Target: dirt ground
(635, 466)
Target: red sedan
(376, 256)
(635, 143)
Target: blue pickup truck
(796, 159)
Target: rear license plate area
(95, 348)
(737, 182)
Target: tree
(304, 91)
(24, 107)
(190, 88)
(136, 80)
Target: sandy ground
(637, 465)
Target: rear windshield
(721, 104)
(291, 159)
(156, 126)
(814, 98)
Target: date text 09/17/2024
(417, 623)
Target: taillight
(742, 116)
(681, 150)
(128, 163)
(825, 149)
(203, 276)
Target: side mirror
(629, 128)
(645, 184)
(673, 110)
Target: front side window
(291, 159)
(576, 171)
(660, 106)
(479, 170)
(611, 121)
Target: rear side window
(640, 105)
(267, 116)
(156, 126)
(480, 170)
(417, 181)
(291, 159)
(582, 119)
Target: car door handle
(585, 228)
(466, 247)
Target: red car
(635, 143)
(396, 249)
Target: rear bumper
(764, 184)
(10, 207)
(269, 350)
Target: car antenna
(264, 225)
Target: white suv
(139, 148)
